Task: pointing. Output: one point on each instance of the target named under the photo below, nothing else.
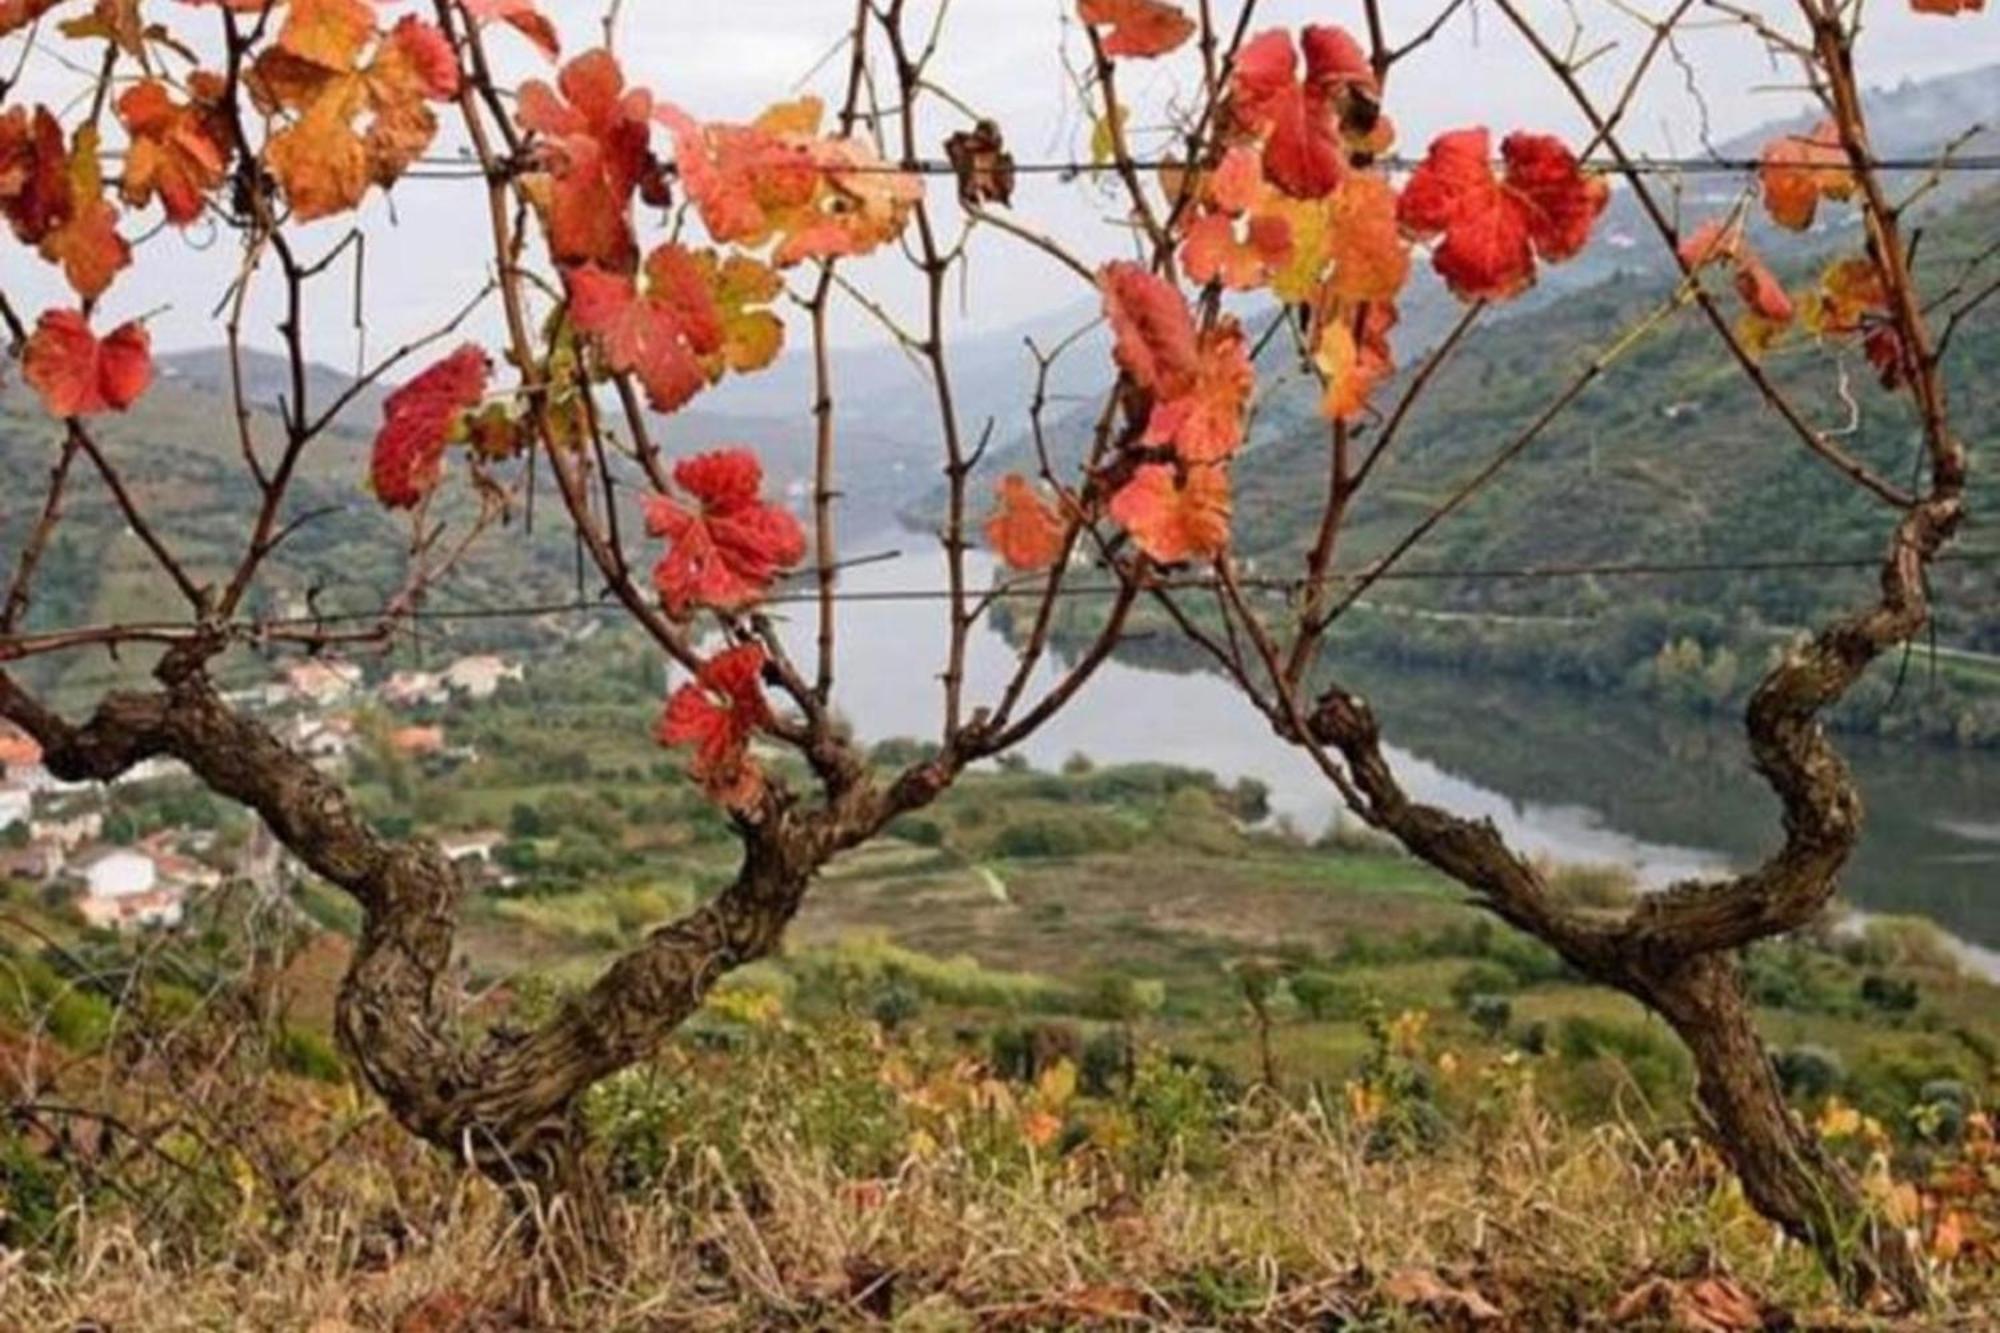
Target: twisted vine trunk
(1677, 955)
(508, 1103)
(1787, 1174)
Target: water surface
(1573, 776)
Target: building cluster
(58, 836)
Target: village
(67, 842)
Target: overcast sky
(427, 248)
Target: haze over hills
(1616, 479)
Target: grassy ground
(820, 1176)
(1005, 1076)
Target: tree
(1287, 202)
(258, 121)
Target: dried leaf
(985, 168)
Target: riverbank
(1572, 775)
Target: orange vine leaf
(1175, 519)
(1204, 421)
(1797, 171)
(1137, 27)
(326, 157)
(178, 152)
(1024, 530)
(524, 18)
(1353, 357)
(778, 179)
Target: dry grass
(1297, 1226)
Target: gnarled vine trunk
(1676, 955)
(508, 1103)
(1787, 1173)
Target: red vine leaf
(724, 550)
(1301, 118)
(697, 316)
(1493, 228)
(76, 375)
(34, 173)
(717, 713)
(1137, 27)
(1153, 334)
(417, 420)
(18, 14)
(1760, 289)
(596, 151)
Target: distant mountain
(179, 451)
(1909, 121)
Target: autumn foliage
(1288, 199)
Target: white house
(70, 833)
(478, 845)
(325, 741)
(406, 688)
(480, 675)
(320, 681)
(122, 887)
(17, 804)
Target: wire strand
(455, 167)
(1034, 589)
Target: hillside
(1008, 1074)
(1671, 457)
(180, 455)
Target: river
(1575, 777)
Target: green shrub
(1180, 1109)
(1073, 834)
(1327, 998)
(1890, 995)
(1490, 1014)
(1482, 979)
(309, 1055)
(1809, 1073)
